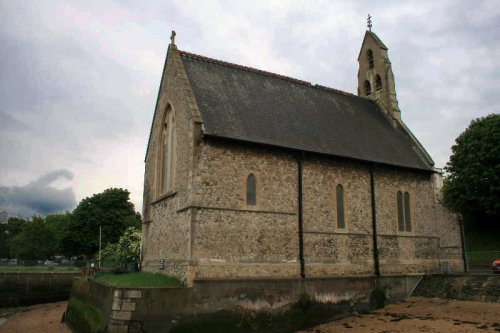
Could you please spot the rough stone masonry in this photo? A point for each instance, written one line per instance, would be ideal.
(203, 226)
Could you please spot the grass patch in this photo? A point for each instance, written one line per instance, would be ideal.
(83, 317)
(139, 279)
(38, 269)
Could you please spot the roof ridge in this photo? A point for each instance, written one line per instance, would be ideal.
(259, 71)
(245, 68)
(319, 86)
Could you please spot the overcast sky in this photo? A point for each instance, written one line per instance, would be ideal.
(79, 79)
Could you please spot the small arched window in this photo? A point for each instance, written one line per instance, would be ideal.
(369, 55)
(378, 82)
(251, 190)
(404, 211)
(368, 88)
(401, 222)
(407, 211)
(167, 152)
(339, 191)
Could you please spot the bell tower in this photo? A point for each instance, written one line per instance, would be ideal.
(375, 77)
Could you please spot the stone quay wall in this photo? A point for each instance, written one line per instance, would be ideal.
(470, 287)
(283, 305)
(18, 289)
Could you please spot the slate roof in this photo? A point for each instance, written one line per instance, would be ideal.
(246, 104)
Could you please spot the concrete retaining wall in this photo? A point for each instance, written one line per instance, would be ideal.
(240, 305)
(31, 288)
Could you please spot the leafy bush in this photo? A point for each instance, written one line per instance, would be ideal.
(127, 249)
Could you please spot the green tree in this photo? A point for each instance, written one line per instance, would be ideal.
(472, 186)
(112, 210)
(4, 241)
(35, 241)
(59, 224)
(127, 249)
(7, 233)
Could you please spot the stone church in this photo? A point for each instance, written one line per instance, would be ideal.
(254, 175)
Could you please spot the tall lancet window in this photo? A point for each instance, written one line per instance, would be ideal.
(167, 152)
(340, 206)
(369, 55)
(251, 190)
(403, 211)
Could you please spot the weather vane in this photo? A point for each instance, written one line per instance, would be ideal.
(172, 37)
(369, 20)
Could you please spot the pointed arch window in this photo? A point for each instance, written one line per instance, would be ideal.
(404, 211)
(378, 82)
(251, 190)
(167, 152)
(407, 212)
(369, 55)
(368, 88)
(339, 193)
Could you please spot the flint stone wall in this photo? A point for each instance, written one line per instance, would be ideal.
(204, 229)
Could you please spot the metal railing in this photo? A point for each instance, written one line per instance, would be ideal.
(480, 261)
(75, 266)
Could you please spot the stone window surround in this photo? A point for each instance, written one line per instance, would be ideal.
(412, 212)
(258, 191)
(346, 213)
(160, 172)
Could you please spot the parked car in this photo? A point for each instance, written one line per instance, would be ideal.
(495, 266)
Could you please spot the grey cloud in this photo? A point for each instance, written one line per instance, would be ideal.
(38, 197)
(12, 125)
(79, 80)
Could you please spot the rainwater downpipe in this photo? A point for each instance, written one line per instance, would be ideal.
(464, 250)
(300, 213)
(374, 223)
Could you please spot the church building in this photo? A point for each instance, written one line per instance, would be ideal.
(255, 175)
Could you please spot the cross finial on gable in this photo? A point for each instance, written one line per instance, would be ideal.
(369, 22)
(172, 37)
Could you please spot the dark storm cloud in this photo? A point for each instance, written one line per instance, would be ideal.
(38, 197)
